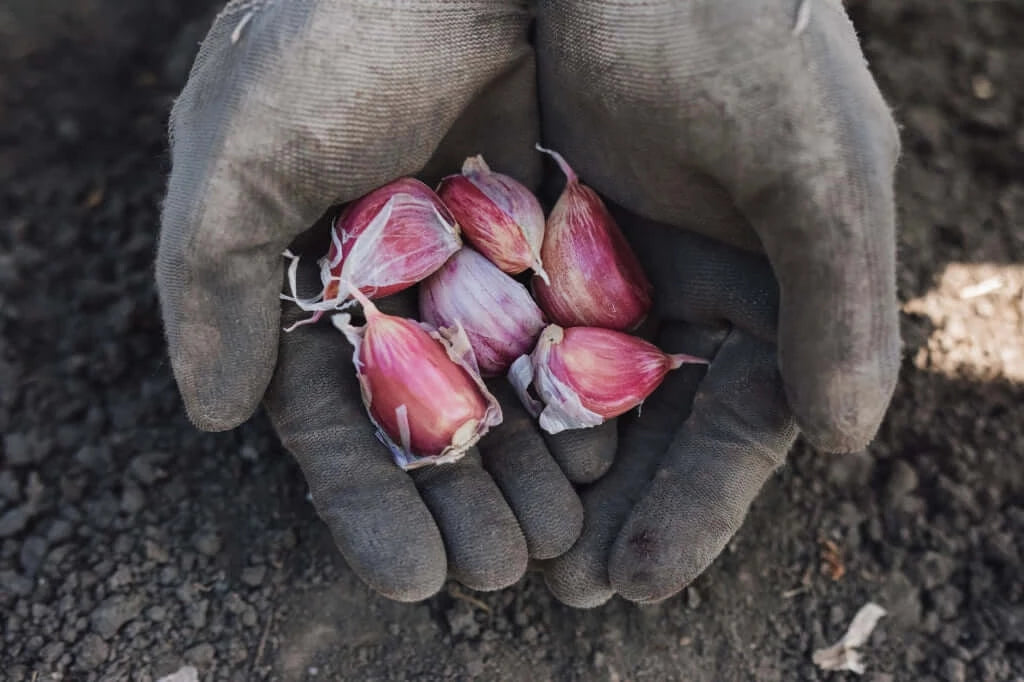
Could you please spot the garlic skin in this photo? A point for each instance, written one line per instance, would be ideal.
(586, 375)
(499, 316)
(498, 215)
(421, 387)
(382, 243)
(595, 279)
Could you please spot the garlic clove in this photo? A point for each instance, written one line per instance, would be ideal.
(382, 243)
(578, 377)
(421, 387)
(500, 318)
(594, 277)
(498, 215)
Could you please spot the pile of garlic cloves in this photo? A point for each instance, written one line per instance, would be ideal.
(564, 343)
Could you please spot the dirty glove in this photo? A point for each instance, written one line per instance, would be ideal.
(757, 124)
(293, 107)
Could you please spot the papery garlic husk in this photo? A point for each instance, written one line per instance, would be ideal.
(421, 387)
(498, 215)
(500, 318)
(594, 278)
(578, 377)
(382, 243)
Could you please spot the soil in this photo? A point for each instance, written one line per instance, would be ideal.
(132, 545)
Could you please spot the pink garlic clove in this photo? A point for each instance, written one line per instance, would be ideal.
(582, 376)
(382, 243)
(498, 314)
(421, 387)
(498, 215)
(595, 279)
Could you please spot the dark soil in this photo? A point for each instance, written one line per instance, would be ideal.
(130, 544)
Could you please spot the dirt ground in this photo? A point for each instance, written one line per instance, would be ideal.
(131, 545)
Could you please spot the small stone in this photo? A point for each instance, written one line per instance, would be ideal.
(902, 480)
(934, 569)
(954, 670)
(234, 603)
(156, 613)
(462, 621)
(10, 490)
(208, 543)
(253, 575)
(132, 499)
(15, 583)
(902, 599)
(121, 577)
(35, 491)
(156, 552)
(1001, 548)
(60, 530)
(102, 511)
(475, 668)
(931, 623)
(146, 467)
(18, 449)
(197, 614)
(72, 487)
(95, 457)
(851, 471)
(982, 87)
(14, 521)
(947, 600)
(51, 652)
(1011, 619)
(69, 129)
(124, 544)
(168, 575)
(201, 654)
(32, 552)
(91, 652)
(113, 613)
(693, 599)
(35, 643)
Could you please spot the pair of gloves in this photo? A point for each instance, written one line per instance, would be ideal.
(748, 156)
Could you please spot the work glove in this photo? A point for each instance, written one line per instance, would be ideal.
(751, 157)
(292, 108)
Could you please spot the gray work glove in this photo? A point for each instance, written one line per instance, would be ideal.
(298, 105)
(757, 124)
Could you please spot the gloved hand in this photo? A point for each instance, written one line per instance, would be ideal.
(757, 124)
(293, 107)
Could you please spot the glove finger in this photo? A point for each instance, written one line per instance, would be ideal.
(584, 454)
(485, 546)
(737, 434)
(579, 577)
(761, 126)
(549, 512)
(292, 107)
(372, 508)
